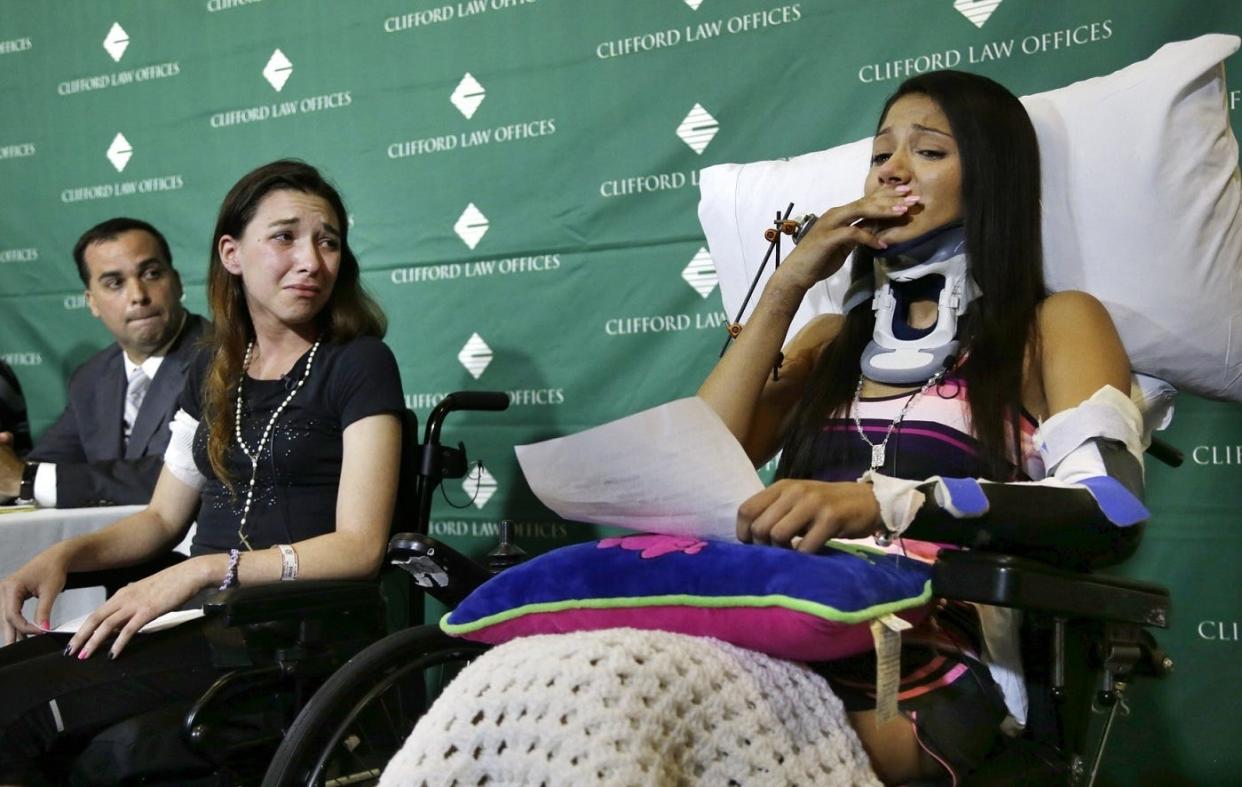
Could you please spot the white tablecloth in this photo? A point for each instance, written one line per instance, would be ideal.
(25, 534)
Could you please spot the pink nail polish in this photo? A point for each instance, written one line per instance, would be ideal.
(912, 199)
(82, 656)
(902, 189)
(899, 209)
(45, 625)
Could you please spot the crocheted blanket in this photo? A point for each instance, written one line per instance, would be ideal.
(630, 707)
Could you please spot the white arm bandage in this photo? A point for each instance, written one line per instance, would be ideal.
(1084, 441)
(179, 456)
(899, 499)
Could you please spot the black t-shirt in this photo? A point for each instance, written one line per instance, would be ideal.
(300, 465)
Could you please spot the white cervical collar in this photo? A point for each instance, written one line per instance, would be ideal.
(898, 354)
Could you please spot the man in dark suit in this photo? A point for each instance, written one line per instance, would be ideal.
(107, 447)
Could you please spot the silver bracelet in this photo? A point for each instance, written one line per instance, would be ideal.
(288, 562)
(230, 574)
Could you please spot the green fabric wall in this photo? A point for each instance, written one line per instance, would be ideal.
(564, 139)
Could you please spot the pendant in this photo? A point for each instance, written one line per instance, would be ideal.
(877, 456)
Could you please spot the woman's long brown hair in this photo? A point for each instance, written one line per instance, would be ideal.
(349, 313)
(1004, 250)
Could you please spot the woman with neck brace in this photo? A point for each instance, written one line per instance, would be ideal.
(955, 401)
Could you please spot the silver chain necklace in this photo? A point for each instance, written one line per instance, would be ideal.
(877, 451)
(267, 432)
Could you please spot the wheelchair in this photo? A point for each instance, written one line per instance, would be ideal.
(283, 640)
(1081, 629)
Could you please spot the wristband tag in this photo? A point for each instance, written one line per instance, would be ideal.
(886, 634)
(288, 563)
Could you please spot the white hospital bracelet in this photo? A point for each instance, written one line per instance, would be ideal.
(288, 562)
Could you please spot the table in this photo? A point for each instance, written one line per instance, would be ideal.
(25, 534)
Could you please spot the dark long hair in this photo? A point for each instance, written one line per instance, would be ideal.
(349, 313)
(1000, 202)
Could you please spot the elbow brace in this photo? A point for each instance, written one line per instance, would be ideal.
(1088, 511)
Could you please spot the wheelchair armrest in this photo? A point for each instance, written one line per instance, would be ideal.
(437, 569)
(113, 579)
(1007, 581)
(286, 601)
(1024, 531)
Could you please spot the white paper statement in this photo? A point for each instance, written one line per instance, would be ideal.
(165, 621)
(674, 469)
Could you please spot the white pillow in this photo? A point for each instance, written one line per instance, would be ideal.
(1141, 199)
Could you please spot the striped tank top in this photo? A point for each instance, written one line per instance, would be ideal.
(935, 438)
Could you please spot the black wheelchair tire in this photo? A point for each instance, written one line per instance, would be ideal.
(322, 724)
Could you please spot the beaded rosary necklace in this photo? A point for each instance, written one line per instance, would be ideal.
(267, 432)
(877, 451)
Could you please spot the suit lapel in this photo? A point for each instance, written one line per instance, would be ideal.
(156, 405)
(109, 405)
(161, 399)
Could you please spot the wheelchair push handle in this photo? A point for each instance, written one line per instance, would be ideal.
(437, 462)
(475, 400)
(1166, 452)
(462, 400)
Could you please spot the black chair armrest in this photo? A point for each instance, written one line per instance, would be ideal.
(281, 601)
(437, 569)
(1007, 581)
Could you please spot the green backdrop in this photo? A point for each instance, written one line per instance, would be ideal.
(522, 180)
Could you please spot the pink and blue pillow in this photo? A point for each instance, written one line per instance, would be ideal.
(773, 600)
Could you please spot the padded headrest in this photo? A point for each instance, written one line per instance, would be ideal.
(1141, 199)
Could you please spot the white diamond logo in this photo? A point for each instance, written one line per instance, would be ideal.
(278, 70)
(698, 129)
(468, 95)
(977, 11)
(694, 4)
(480, 486)
(475, 355)
(701, 273)
(116, 42)
(471, 226)
(119, 152)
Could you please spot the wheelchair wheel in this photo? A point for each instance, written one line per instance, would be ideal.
(357, 720)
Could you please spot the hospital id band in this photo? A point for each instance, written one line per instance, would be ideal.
(288, 563)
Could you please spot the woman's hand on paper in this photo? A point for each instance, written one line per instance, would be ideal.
(815, 511)
(134, 606)
(840, 230)
(43, 578)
